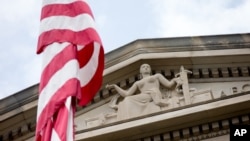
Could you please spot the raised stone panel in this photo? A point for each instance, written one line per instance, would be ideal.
(157, 138)
(245, 119)
(176, 135)
(186, 133)
(202, 95)
(215, 73)
(235, 121)
(123, 83)
(205, 73)
(196, 73)
(93, 122)
(224, 72)
(215, 126)
(196, 130)
(225, 124)
(98, 116)
(205, 128)
(235, 71)
(24, 129)
(245, 71)
(166, 137)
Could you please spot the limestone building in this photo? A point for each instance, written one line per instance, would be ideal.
(197, 87)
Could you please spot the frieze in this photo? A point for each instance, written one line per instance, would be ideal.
(223, 73)
(139, 100)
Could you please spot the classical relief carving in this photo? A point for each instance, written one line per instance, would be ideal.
(154, 93)
(234, 90)
(222, 94)
(201, 95)
(101, 119)
(149, 99)
(184, 83)
(246, 88)
(191, 95)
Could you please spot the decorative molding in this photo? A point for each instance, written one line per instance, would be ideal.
(200, 132)
(179, 44)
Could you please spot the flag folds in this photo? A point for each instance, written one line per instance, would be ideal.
(73, 63)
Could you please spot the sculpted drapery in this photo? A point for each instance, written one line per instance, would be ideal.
(149, 99)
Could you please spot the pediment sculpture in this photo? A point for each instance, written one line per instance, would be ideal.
(149, 99)
(150, 94)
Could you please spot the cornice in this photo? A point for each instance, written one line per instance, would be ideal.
(177, 44)
(145, 48)
(19, 99)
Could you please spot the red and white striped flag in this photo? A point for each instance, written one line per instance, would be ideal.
(73, 63)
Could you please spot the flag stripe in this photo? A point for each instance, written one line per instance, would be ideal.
(49, 2)
(66, 9)
(54, 136)
(69, 23)
(57, 63)
(90, 68)
(73, 64)
(88, 91)
(68, 71)
(61, 123)
(83, 37)
(47, 133)
(56, 101)
(84, 54)
(53, 50)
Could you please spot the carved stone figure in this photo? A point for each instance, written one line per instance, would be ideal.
(185, 88)
(154, 93)
(149, 99)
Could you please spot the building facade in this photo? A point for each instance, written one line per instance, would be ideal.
(197, 88)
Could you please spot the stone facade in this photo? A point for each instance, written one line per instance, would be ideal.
(213, 93)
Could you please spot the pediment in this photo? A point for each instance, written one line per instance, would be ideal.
(215, 95)
(219, 81)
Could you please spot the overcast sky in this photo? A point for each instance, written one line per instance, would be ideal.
(119, 22)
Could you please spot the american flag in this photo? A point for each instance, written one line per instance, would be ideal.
(73, 63)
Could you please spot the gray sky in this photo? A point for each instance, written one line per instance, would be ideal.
(118, 22)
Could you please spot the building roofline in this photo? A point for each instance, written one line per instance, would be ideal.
(143, 46)
(176, 44)
(18, 99)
